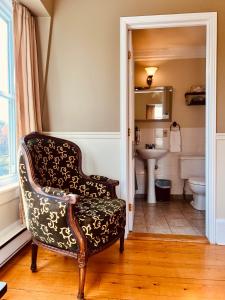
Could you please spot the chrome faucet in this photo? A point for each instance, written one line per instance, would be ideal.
(149, 146)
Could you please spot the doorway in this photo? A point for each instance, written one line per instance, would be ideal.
(127, 132)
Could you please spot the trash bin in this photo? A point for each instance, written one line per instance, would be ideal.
(162, 189)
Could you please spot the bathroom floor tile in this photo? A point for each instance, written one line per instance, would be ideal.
(156, 221)
(158, 229)
(197, 222)
(155, 212)
(139, 213)
(169, 217)
(173, 215)
(178, 222)
(140, 228)
(196, 216)
(200, 230)
(183, 230)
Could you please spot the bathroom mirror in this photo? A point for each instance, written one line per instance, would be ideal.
(154, 104)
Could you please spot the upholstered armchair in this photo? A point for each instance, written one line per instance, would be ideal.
(65, 210)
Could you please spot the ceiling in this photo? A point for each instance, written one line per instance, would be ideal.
(169, 43)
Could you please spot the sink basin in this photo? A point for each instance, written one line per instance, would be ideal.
(152, 153)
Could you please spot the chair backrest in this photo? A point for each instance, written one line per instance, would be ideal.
(44, 208)
(53, 160)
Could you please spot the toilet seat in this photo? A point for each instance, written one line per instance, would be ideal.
(197, 181)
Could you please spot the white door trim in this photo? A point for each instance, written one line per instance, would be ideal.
(208, 19)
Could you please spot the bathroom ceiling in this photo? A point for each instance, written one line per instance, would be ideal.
(169, 43)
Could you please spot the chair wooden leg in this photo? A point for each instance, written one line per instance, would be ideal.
(82, 263)
(34, 249)
(122, 243)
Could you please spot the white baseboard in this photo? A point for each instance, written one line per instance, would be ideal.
(10, 249)
(10, 231)
(220, 231)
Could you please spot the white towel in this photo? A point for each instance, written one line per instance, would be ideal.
(175, 140)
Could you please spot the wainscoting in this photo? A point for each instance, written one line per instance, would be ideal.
(220, 189)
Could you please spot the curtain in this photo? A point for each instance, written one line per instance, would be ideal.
(26, 76)
(26, 71)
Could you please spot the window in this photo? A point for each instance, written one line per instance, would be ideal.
(7, 98)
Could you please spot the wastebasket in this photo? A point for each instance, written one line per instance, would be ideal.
(162, 189)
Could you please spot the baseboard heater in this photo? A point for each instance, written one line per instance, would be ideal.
(13, 245)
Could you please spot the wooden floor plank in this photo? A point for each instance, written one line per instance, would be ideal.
(148, 269)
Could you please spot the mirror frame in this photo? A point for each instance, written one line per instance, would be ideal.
(152, 90)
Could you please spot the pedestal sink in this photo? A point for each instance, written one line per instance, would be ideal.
(151, 155)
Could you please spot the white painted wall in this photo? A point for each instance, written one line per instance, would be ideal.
(220, 189)
(9, 206)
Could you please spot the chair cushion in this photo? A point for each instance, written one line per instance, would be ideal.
(102, 220)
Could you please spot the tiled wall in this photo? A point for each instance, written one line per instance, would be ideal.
(193, 142)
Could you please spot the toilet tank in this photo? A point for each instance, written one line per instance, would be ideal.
(192, 166)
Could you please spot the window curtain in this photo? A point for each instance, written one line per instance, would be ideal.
(26, 76)
(26, 71)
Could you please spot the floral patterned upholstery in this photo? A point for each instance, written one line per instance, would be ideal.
(57, 163)
(46, 216)
(56, 174)
(101, 220)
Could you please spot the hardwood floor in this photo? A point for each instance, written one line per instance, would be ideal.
(148, 269)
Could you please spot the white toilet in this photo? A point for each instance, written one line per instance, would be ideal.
(192, 168)
(197, 186)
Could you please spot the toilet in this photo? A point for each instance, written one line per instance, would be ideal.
(192, 169)
(197, 186)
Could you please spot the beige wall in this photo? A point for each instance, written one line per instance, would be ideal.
(43, 37)
(83, 82)
(48, 4)
(181, 75)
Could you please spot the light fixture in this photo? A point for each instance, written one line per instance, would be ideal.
(150, 71)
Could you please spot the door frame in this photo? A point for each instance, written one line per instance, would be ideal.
(208, 19)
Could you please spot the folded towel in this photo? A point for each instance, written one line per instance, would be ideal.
(175, 140)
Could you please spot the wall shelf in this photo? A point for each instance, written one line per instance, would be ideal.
(195, 98)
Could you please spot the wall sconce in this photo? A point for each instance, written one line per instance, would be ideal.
(150, 71)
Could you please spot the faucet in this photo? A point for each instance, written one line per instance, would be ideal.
(149, 146)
